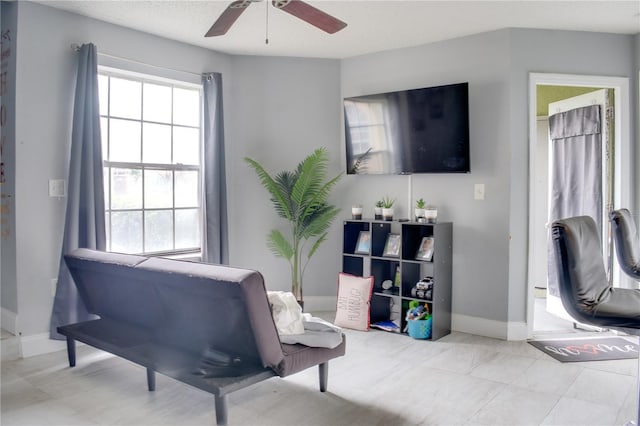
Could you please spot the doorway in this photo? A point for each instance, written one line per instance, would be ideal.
(539, 321)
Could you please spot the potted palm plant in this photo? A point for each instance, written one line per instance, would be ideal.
(300, 197)
(378, 210)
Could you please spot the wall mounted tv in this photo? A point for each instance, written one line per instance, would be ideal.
(411, 131)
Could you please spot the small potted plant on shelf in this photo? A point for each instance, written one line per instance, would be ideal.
(387, 208)
(419, 210)
(378, 210)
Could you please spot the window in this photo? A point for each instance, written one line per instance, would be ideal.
(151, 139)
(368, 126)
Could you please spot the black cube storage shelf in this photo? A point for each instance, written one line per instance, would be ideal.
(409, 270)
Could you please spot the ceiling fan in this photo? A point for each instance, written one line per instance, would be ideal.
(297, 8)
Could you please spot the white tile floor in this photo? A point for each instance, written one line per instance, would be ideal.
(384, 379)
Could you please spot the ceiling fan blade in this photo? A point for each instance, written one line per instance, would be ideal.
(310, 14)
(228, 17)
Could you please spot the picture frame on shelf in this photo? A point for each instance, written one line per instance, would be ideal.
(425, 251)
(363, 246)
(392, 246)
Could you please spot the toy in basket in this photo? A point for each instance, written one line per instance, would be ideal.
(419, 320)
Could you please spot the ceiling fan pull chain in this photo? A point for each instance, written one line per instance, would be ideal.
(266, 31)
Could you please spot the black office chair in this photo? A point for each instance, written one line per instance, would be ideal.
(584, 289)
(625, 235)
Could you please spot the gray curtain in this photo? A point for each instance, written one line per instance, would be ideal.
(215, 247)
(576, 172)
(85, 221)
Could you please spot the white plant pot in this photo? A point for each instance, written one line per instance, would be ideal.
(419, 213)
(378, 213)
(387, 214)
(431, 214)
(356, 213)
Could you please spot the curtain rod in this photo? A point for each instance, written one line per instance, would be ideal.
(76, 47)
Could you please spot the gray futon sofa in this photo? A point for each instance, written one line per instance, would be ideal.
(209, 326)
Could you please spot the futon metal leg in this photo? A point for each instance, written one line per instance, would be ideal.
(221, 410)
(323, 371)
(151, 380)
(71, 351)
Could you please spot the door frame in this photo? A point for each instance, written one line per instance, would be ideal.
(622, 192)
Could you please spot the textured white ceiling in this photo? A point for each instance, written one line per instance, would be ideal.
(373, 26)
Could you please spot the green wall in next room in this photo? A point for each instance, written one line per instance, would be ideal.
(547, 94)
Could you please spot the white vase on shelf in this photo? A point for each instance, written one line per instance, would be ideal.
(377, 211)
(356, 212)
(431, 214)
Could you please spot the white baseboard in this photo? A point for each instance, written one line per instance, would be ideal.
(489, 328)
(462, 323)
(9, 321)
(38, 344)
(320, 303)
(517, 331)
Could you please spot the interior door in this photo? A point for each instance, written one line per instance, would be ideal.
(580, 173)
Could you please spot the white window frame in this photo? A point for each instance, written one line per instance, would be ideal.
(173, 167)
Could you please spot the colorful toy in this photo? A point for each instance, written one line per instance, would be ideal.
(423, 289)
(419, 313)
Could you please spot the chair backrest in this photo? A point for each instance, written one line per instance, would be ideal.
(582, 277)
(625, 235)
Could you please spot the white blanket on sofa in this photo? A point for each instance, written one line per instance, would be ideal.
(295, 327)
(317, 333)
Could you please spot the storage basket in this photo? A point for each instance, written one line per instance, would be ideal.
(420, 329)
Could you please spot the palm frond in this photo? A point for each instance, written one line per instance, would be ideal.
(311, 174)
(310, 193)
(279, 196)
(279, 245)
(285, 182)
(319, 222)
(315, 245)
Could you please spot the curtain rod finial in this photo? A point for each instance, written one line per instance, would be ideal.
(75, 47)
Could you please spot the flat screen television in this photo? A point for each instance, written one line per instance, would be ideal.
(410, 131)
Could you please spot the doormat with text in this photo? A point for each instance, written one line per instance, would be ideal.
(588, 349)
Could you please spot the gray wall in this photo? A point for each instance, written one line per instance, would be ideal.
(9, 289)
(490, 236)
(277, 110)
(281, 110)
(550, 52)
(45, 87)
(481, 228)
(635, 88)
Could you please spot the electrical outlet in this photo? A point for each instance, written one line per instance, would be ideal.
(478, 191)
(54, 285)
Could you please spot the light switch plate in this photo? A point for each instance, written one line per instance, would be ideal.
(57, 188)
